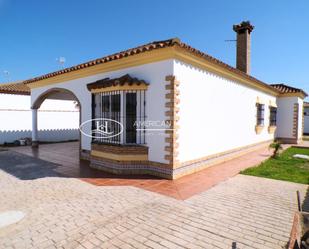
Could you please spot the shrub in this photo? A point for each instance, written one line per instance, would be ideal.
(277, 147)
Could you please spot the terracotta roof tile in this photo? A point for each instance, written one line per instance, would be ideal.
(149, 47)
(15, 88)
(116, 56)
(123, 80)
(282, 88)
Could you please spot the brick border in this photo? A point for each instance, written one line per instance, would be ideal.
(132, 167)
(192, 166)
(172, 105)
(295, 120)
(120, 149)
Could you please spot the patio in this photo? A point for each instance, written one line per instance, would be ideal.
(61, 211)
(243, 212)
(65, 159)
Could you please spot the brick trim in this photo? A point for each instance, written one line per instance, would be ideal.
(287, 140)
(132, 167)
(120, 149)
(172, 105)
(295, 120)
(192, 166)
(303, 121)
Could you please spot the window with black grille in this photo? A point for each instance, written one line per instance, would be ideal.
(124, 107)
(273, 116)
(260, 114)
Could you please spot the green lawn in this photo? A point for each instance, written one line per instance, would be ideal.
(285, 167)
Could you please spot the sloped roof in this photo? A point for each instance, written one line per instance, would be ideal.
(282, 88)
(15, 88)
(121, 81)
(174, 42)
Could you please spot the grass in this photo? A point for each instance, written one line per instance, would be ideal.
(284, 167)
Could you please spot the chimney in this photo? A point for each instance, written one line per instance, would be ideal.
(243, 31)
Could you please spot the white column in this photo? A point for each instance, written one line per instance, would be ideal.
(35, 142)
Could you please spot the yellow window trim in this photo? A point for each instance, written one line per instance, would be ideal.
(272, 104)
(120, 88)
(118, 157)
(260, 101)
(272, 129)
(259, 129)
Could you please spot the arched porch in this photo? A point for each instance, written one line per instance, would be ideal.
(64, 116)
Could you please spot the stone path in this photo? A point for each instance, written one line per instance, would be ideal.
(242, 212)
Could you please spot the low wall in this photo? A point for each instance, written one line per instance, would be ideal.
(299, 236)
(48, 135)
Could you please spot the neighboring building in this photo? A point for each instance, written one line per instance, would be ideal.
(306, 118)
(59, 120)
(181, 109)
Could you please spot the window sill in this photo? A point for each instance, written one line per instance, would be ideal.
(272, 129)
(259, 129)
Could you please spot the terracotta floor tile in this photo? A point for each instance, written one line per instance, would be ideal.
(65, 155)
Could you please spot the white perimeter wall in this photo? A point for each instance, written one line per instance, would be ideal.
(153, 73)
(306, 128)
(57, 119)
(216, 114)
(285, 116)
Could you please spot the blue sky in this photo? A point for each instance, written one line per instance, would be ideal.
(35, 33)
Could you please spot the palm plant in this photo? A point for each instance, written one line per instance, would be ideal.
(277, 147)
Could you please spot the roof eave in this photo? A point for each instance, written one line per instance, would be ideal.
(301, 95)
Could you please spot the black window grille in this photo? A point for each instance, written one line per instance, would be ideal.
(126, 108)
(273, 116)
(260, 114)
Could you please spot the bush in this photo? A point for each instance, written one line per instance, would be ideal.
(277, 147)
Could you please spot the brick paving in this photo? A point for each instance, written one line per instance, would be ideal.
(62, 212)
(65, 155)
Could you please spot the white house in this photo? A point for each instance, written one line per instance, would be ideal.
(170, 109)
(59, 119)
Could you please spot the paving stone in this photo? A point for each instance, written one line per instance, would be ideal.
(69, 213)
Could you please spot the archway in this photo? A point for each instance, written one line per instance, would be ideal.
(56, 97)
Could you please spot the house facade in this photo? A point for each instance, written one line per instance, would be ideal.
(58, 119)
(172, 109)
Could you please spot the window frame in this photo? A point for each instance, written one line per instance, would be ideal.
(260, 114)
(121, 115)
(273, 116)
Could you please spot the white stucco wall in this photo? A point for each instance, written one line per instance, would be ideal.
(300, 117)
(285, 116)
(306, 117)
(153, 73)
(216, 114)
(58, 120)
